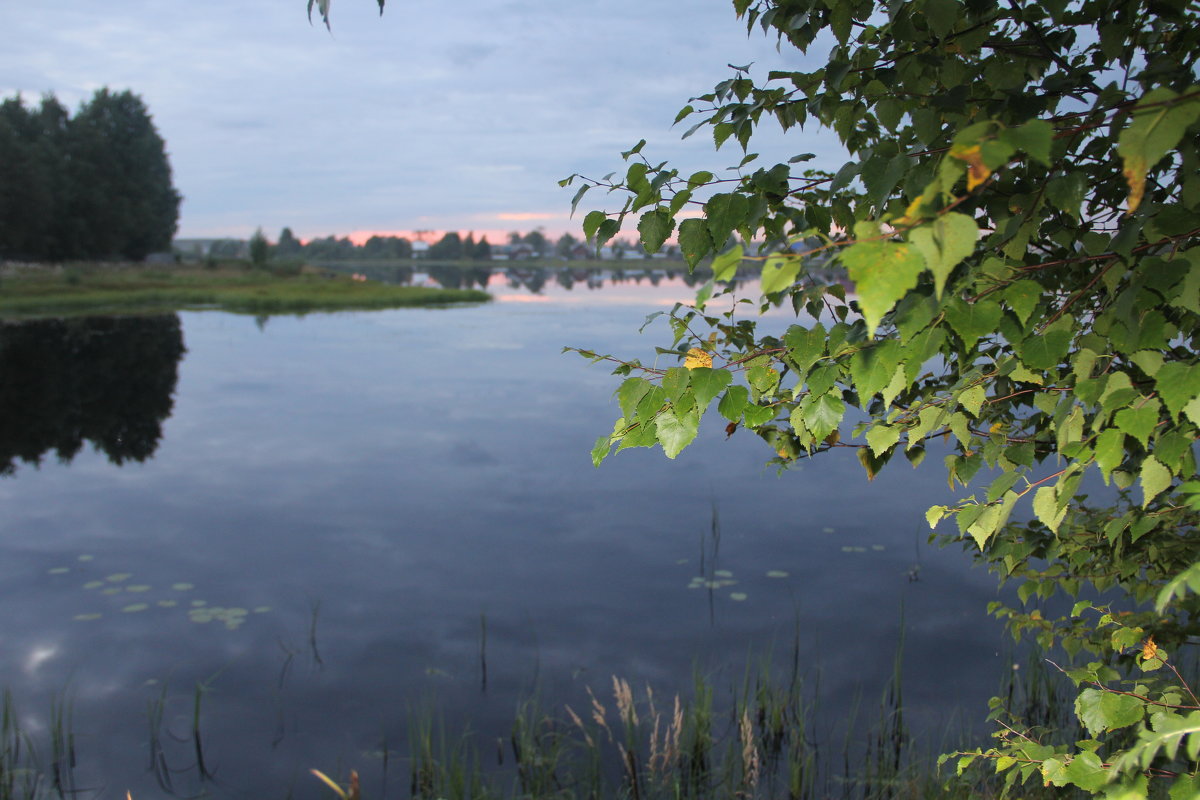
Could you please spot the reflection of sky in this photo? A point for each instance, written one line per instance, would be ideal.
(386, 479)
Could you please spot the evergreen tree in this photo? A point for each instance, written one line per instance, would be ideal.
(289, 246)
(482, 250)
(260, 249)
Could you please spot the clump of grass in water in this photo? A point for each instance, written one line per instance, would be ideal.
(23, 775)
(637, 746)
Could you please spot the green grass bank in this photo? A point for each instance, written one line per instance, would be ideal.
(27, 292)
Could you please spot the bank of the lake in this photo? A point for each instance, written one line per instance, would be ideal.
(115, 289)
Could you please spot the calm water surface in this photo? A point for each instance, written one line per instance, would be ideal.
(315, 517)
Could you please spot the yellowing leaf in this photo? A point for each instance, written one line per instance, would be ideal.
(1149, 649)
(697, 358)
(977, 171)
(1156, 126)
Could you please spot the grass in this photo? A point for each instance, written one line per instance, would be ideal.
(754, 740)
(110, 289)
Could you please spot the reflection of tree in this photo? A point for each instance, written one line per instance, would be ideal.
(107, 380)
(447, 277)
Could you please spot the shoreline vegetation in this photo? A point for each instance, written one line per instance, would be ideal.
(756, 737)
(31, 291)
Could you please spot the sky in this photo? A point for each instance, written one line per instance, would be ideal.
(434, 116)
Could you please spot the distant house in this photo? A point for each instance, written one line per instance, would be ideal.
(420, 249)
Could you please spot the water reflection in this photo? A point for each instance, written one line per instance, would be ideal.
(105, 380)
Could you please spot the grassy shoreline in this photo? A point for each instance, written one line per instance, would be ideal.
(30, 292)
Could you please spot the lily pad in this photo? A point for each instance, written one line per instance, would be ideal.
(118, 577)
(112, 590)
(58, 570)
(93, 584)
(167, 603)
(86, 558)
(135, 607)
(737, 596)
(827, 530)
(87, 617)
(878, 547)
(261, 609)
(723, 573)
(198, 603)
(182, 587)
(776, 573)
(140, 587)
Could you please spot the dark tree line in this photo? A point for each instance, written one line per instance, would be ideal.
(96, 185)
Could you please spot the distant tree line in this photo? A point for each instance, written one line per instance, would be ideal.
(452, 246)
(96, 185)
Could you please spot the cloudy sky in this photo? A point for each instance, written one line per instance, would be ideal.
(437, 115)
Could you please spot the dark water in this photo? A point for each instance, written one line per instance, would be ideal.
(357, 495)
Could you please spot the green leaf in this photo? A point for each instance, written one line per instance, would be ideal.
(724, 213)
(1034, 138)
(1109, 450)
(675, 383)
(655, 226)
(1023, 297)
(733, 403)
(1045, 506)
(1047, 348)
(882, 438)
(1087, 772)
(972, 399)
(591, 223)
(1148, 361)
(1177, 384)
(694, 241)
(823, 414)
(882, 273)
(1139, 421)
(974, 320)
(1066, 192)
(630, 394)
(872, 367)
(756, 415)
(806, 345)
(1101, 711)
(945, 243)
(707, 383)
(1155, 478)
(725, 266)
(779, 273)
(600, 450)
(607, 230)
(676, 430)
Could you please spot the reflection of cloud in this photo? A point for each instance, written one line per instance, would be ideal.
(38, 655)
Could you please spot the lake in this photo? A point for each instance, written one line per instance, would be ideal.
(338, 523)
